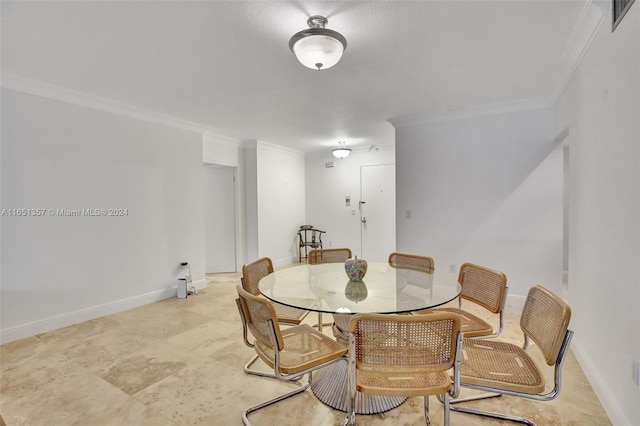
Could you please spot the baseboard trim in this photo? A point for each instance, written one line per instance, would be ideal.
(277, 263)
(605, 395)
(42, 326)
(517, 301)
(200, 284)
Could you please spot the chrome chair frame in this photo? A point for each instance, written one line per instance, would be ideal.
(493, 391)
(553, 394)
(245, 333)
(294, 378)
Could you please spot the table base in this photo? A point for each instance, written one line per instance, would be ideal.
(330, 385)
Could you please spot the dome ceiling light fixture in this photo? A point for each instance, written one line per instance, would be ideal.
(318, 48)
(342, 151)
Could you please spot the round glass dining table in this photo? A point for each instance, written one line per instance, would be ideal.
(384, 289)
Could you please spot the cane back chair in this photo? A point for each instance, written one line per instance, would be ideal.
(291, 353)
(404, 355)
(506, 369)
(252, 273)
(333, 255)
(411, 261)
(486, 288)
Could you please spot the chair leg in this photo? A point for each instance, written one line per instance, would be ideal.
(261, 373)
(493, 415)
(476, 397)
(320, 323)
(249, 370)
(351, 378)
(350, 419)
(471, 397)
(249, 410)
(447, 409)
(426, 410)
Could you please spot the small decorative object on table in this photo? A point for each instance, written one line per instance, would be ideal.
(355, 268)
(356, 291)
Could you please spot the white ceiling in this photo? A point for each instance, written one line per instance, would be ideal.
(227, 65)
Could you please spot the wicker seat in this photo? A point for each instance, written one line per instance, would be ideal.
(506, 369)
(333, 255)
(484, 287)
(291, 353)
(411, 261)
(404, 355)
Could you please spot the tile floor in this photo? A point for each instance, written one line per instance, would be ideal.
(179, 362)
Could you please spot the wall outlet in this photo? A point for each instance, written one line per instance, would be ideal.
(635, 372)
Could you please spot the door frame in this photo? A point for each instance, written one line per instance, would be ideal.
(236, 212)
(361, 200)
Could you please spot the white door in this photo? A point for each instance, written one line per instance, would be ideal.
(219, 219)
(377, 211)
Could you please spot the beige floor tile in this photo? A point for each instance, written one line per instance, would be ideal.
(195, 392)
(162, 319)
(179, 362)
(141, 369)
(65, 393)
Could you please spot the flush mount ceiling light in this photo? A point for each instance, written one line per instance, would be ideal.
(318, 47)
(341, 152)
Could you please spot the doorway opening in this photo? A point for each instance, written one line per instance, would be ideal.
(220, 223)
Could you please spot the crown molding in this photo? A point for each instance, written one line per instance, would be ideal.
(593, 14)
(209, 136)
(63, 94)
(477, 111)
(272, 147)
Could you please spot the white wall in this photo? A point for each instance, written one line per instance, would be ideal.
(220, 150)
(250, 191)
(280, 177)
(326, 189)
(601, 108)
(61, 270)
(474, 195)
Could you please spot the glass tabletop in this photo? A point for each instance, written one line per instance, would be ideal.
(384, 289)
